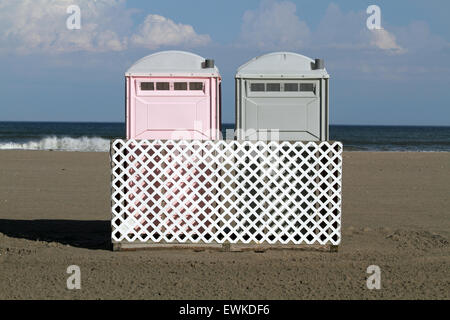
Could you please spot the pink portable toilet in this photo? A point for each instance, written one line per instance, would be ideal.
(170, 95)
(173, 95)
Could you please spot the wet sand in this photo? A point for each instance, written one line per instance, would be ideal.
(54, 212)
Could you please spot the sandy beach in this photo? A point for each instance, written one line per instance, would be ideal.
(55, 210)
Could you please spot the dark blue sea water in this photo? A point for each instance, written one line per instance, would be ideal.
(95, 136)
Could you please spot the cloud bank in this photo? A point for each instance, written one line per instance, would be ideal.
(276, 25)
(157, 31)
(273, 25)
(30, 26)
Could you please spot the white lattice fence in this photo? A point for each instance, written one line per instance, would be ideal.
(226, 192)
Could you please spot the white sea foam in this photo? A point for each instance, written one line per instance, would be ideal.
(83, 144)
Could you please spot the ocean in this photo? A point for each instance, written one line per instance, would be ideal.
(72, 136)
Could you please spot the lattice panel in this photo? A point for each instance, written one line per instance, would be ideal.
(226, 192)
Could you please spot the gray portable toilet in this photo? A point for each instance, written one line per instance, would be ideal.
(282, 91)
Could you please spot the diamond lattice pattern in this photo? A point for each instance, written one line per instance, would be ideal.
(226, 192)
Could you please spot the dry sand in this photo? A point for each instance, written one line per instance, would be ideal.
(54, 212)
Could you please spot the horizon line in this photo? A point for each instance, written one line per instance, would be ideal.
(228, 123)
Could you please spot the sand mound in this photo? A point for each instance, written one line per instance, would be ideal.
(420, 240)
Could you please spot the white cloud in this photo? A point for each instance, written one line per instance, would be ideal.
(39, 26)
(274, 25)
(157, 31)
(349, 31)
(384, 40)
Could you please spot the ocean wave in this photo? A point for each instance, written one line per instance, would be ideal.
(82, 144)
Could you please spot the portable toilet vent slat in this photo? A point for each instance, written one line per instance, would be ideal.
(173, 95)
(283, 93)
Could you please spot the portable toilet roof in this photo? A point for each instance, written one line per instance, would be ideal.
(281, 65)
(173, 63)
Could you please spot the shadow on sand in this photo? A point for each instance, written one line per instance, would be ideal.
(77, 233)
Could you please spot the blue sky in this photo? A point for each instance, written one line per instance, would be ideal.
(399, 75)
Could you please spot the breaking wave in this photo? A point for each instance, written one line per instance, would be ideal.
(81, 144)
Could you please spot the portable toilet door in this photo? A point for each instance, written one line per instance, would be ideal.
(173, 95)
(282, 93)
